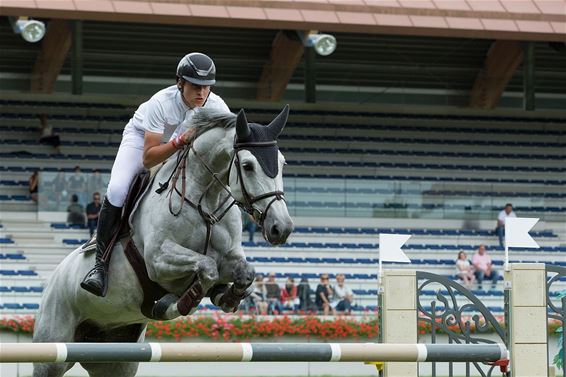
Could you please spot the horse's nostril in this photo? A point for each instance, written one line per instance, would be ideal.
(275, 231)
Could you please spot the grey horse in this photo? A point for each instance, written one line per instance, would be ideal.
(229, 159)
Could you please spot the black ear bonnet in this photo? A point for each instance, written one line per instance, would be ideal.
(261, 140)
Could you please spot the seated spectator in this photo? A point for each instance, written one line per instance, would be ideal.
(249, 225)
(76, 211)
(500, 228)
(289, 298)
(464, 269)
(48, 137)
(343, 296)
(273, 295)
(92, 210)
(483, 267)
(59, 186)
(259, 296)
(77, 184)
(323, 293)
(33, 185)
(304, 292)
(96, 182)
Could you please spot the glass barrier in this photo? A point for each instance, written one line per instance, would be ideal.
(322, 197)
(467, 201)
(57, 189)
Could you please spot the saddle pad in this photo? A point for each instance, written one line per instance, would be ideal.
(148, 185)
(90, 246)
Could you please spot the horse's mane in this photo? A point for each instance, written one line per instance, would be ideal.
(207, 119)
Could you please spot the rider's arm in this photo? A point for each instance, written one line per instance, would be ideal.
(154, 152)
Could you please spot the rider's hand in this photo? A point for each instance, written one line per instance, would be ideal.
(187, 136)
(184, 139)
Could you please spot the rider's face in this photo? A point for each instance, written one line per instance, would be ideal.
(194, 95)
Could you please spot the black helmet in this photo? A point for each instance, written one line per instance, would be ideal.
(197, 68)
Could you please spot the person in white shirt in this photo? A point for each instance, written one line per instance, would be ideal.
(500, 228)
(343, 296)
(464, 269)
(166, 113)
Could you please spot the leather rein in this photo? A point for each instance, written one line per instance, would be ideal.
(211, 218)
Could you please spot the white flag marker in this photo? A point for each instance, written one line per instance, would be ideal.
(390, 250)
(517, 235)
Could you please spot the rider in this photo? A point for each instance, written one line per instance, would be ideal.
(141, 147)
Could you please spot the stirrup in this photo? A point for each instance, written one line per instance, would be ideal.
(96, 281)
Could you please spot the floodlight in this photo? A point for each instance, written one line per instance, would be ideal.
(324, 44)
(31, 30)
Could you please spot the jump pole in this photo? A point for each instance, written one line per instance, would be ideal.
(248, 352)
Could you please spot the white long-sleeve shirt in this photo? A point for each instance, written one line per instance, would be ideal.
(166, 112)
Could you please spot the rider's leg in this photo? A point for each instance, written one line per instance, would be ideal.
(127, 165)
(96, 280)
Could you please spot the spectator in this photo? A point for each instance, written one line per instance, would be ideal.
(343, 296)
(323, 293)
(304, 293)
(500, 228)
(259, 296)
(273, 294)
(289, 298)
(48, 137)
(95, 182)
(92, 210)
(77, 184)
(33, 185)
(59, 185)
(464, 269)
(76, 211)
(248, 224)
(483, 267)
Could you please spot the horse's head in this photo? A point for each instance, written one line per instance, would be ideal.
(256, 176)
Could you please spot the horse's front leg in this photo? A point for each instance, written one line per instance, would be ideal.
(174, 262)
(242, 274)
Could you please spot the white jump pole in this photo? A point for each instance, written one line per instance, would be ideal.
(247, 352)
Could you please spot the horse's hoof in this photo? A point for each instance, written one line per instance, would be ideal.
(160, 308)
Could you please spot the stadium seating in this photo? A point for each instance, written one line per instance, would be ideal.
(361, 165)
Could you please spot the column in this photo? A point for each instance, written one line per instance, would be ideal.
(400, 317)
(528, 346)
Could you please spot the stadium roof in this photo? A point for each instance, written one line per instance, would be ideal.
(436, 54)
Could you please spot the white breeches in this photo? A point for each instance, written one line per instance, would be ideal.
(128, 163)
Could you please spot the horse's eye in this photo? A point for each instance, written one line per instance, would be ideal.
(248, 166)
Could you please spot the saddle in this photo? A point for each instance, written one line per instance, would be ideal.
(137, 188)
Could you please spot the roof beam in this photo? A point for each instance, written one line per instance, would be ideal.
(285, 55)
(54, 49)
(501, 62)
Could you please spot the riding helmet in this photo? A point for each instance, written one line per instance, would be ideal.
(197, 68)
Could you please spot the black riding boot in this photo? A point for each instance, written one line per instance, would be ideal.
(96, 280)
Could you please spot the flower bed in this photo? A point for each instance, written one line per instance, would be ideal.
(240, 328)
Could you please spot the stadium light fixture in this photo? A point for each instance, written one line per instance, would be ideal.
(31, 30)
(323, 44)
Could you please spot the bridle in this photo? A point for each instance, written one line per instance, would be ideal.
(213, 217)
(250, 200)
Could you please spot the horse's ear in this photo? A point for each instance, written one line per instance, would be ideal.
(277, 124)
(242, 128)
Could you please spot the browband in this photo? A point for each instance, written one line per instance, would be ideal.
(255, 144)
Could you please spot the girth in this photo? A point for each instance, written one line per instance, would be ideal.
(152, 291)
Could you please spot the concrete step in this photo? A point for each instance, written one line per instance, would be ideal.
(13, 190)
(18, 206)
